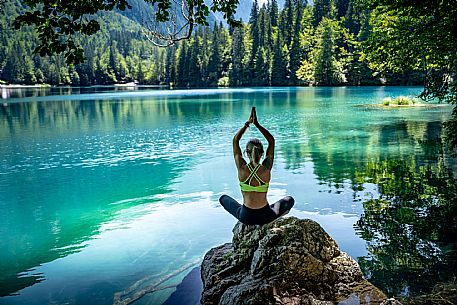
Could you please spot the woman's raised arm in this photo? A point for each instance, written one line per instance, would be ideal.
(237, 154)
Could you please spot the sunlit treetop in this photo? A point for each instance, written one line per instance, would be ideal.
(58, 22)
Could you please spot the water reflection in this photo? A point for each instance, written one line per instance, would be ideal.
(335, 156)
(411, 229)
(43, 91)
(71, 164)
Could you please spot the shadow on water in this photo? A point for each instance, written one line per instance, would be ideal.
(411, 229)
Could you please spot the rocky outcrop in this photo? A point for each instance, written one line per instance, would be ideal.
(289, 261)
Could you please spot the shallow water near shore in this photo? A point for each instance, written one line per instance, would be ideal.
(105, 194)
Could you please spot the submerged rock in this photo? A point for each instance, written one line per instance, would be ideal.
(289, 261)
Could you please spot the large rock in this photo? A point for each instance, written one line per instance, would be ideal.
(289, 261)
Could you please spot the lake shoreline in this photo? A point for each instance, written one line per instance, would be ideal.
(23, 86)
(40, 86)
(17, 86)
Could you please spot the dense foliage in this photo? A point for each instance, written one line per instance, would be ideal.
(58, 22)
(119, 52)
(409, 36)
(299, 44)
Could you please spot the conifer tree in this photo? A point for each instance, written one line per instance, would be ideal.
(194, 63)
(225, 50)
(140, 73)
(40, 76)
(261, 77)
(352, 18)
(278, 68)
(324, 58)
(274, 12)
(182, 66)
(253, 22)
(214, 59)
(261, 33)
(295, 56)
(170, 55)
(236, 71)
(266, 28)
(29, 71)
(74, 77)
(341, 7)
(323, 8)
(113, 65)
(287, 22)
(253, 37)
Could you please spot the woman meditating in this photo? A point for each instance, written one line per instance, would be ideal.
(254, 180)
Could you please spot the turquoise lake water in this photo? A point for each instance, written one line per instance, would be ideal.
(105, 192)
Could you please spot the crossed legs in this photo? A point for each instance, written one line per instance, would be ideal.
(260, 216)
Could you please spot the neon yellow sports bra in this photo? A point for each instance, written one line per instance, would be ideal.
(245, 185)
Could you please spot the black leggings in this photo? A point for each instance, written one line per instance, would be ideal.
(255, 216)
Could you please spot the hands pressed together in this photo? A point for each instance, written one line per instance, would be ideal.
(252, 118)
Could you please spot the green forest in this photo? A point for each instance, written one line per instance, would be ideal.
(299, 44)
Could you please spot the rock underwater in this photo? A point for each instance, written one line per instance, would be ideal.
(288, 261)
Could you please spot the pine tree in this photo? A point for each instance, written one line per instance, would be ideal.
(29, 71)
(324, 59)
(170, 55)
(323, 9)
(274, 12)
(295, 56)
(261, 69)
(225, 50)
(352, 19)
(194, 63)
(140, 76)
(278, 68)
(64, 75)
(13, 71)
(253, 20)
(214, 59)
(265, 29)
(54, 75)
(261, 26)
(112, 65)
(122, 69)
(341, 7)
(182, 67)
(287, 22)
(236, 71)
